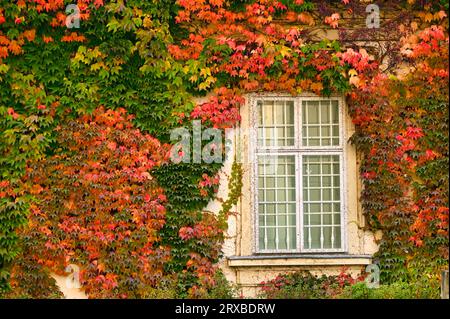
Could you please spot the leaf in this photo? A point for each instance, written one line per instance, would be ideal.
(352, 72)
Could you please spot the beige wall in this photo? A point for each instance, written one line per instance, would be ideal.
(247, 269)
(66, 286)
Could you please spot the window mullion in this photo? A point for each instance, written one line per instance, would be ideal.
(265, 208)
(343, 202)
(263, 124)
(276, 215)
(299, 201)
(298, 130)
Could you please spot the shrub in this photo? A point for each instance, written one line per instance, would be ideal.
(222, 289)
(397, 290)
(304, 285)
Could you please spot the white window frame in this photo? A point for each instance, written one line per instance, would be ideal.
(298, 152)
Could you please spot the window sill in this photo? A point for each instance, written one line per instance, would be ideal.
(299, 260)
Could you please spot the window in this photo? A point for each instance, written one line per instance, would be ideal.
(299, 181)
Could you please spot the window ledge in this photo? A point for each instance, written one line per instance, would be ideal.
(299, 260)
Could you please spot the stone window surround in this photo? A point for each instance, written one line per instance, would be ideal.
(358, 244)
(340, 150)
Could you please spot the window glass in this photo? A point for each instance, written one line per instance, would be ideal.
(281, 207)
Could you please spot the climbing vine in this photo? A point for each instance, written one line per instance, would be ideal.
(401, 130)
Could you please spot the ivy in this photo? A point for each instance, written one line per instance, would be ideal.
(401, 131)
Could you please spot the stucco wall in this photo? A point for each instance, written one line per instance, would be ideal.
(247, 269)
(67, 287)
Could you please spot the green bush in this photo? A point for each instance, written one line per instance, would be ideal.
(223, 289)
(423, 289)
(304, 285)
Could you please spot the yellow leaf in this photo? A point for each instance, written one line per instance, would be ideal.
(210, 80)
(285, 51)
(205, 72)
(316, 87)
(96, 66)
(354, 80)
(148, 22)
(441, 15)
(193, 78)
(101, 267)
(352, 73)
(429, 17)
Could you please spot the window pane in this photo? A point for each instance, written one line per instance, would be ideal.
(276, 123)
(337, 237)
(292, 237)
(314, 131)
(314, 219)
(282, 220)
(321, 206)
(312, 112)
(314, 181)
(335, 111)
(314, 208)
(320, 120)
(327, 237)
(314, 195)
(291, 209)
(261, 194)
(292, 219)
(282, 238)
(262, 221)
(291, 195)
(260, 119)
(277, 208)
(315, 238)
(267, 111)
(336, 219)
(271, 238)
(270, 182)
(327, 219)
(325, 113)
(279, 112)
(281, 195)
(326, 181)
(326, 194)
(262, 245)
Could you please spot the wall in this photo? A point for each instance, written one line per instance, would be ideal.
(66, 286)
(247, 269)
